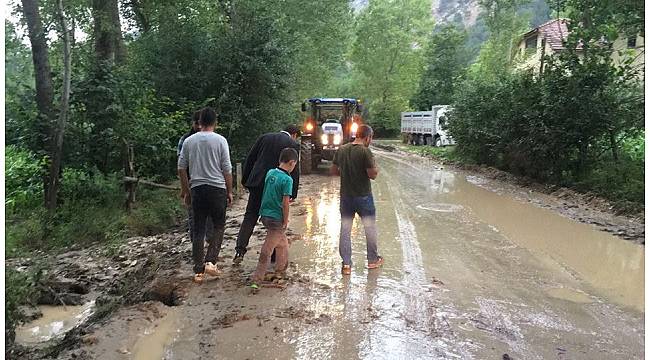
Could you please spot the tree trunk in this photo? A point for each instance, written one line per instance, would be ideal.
(56, 154)
(42, 76)
(140, 15)
(613, 145)
(109, 45)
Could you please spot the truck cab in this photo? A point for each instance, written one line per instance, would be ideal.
(426, 127)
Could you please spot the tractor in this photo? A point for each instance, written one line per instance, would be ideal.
(329, 123)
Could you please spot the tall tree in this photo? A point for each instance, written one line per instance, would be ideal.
(504, 24)
(446, 60)
(43, 77)
(387, 56)
(56, 152)
(109, 44)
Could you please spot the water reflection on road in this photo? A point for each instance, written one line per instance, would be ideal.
(469, 273)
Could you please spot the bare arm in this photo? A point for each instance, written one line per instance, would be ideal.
(372, 172)
(185, 186)
(285, 211)
(228, 177)
(335, 171)
(371, 166)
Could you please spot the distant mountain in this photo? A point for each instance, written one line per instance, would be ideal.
(464, 12)
(467, 12)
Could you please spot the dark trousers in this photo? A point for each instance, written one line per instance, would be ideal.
(251, 216)
(207, 202)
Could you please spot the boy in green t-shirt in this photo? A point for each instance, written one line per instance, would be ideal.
(274, 211)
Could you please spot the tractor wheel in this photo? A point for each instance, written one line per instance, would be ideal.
(305, 156)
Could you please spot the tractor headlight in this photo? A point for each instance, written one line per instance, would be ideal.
(353, 128)
(323, 139)
(337, 139)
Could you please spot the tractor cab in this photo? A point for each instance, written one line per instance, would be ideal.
(328, 124)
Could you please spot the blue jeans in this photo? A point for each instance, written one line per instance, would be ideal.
(365, 207)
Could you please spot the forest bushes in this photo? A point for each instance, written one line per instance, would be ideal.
(550, 129)
(579, 123)
(91, 208)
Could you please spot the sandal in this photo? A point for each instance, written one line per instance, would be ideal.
(198, 278)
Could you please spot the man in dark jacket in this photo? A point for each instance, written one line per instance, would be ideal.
(263, 157)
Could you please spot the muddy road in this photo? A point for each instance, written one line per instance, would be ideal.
(469, 274)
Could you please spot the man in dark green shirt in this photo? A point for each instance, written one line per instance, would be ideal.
(355, 164)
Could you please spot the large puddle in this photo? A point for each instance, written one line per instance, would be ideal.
(612, 266)
(56, 321)
(153, 344)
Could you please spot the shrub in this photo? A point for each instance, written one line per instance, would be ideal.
(19, 292)
(576, 125)
(24, 173)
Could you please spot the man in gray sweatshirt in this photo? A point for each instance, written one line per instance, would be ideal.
(208, 190)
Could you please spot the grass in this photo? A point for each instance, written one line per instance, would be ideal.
(86, 221)
(446, 153)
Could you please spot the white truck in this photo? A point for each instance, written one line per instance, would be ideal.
(424, 127)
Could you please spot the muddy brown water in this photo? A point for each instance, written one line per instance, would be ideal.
(469, 274)
(56, 320)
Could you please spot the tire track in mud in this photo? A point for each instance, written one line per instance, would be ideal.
(423, 312)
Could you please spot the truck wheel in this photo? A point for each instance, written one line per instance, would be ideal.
(305, 156)
(428, 140)
(438, 142)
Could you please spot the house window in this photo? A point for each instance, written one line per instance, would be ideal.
(631, 42)
(531, 43)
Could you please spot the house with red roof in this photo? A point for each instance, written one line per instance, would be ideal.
(550, 38)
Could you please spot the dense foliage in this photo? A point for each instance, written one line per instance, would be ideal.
(579, 123)
(447, 60)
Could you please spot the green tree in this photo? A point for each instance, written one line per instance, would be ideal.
(504, 24)
(446, 61)
(387, 57)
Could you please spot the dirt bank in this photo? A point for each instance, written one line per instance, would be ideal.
(141, 288)
(586, 208)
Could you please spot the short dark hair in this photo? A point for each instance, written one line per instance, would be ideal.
(364, 131)
(208, 117)
(196, 116)
(288, 154)
(292, 129)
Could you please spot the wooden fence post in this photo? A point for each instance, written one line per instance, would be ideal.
(238, 185)
(129, 171)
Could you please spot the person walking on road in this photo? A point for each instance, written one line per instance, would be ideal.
(263, 157)
(356, 166)
(208, 189)
(209, 231)
(278, 188)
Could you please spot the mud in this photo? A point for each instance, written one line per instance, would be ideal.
(470, 273)
(583, 207)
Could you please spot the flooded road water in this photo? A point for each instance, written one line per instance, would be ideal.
(468, 274)
(56, 320)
